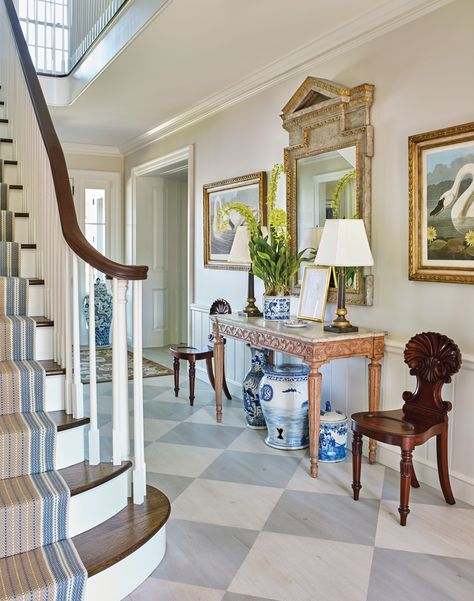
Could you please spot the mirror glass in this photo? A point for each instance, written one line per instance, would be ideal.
(325, 189)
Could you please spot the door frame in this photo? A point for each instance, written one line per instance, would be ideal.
(186, 153)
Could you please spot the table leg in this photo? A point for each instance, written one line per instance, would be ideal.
(314, 406)
(375, 375)
(218, 373)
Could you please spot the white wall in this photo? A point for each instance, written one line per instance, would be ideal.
(422, 78)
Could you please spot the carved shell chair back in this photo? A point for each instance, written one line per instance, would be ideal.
(433, 359)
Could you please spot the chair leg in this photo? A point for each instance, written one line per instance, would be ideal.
(356, 464)
(443, 473)
(414, 480)
(406, 470)
(224, 386)
(210, 372)
(192, 381)
(176, 376)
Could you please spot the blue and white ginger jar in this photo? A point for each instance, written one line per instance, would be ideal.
(103, 312)
(284, 399)
(276, 308)
(252, 408)
(332, 435)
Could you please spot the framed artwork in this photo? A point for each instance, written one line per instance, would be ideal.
(314, 292)
(248, 189)
(441, 165)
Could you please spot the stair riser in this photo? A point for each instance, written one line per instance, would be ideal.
(15, 201)
(5, 131)
(44, 343)
(91, 508)
(54, 393)
(70, 447)
(35, 300)
(7, 150)
(21, 233)
(115, 583)
(11, 175)
(28, 263)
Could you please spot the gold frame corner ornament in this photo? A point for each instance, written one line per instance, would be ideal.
(417, 144)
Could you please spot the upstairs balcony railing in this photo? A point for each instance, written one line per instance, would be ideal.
(60, 32)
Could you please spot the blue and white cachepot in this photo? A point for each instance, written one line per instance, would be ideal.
(250, 385)
(103, 312)
(284, 399)
(276, 308)
(332, 435)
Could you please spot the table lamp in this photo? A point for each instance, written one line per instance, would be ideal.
(239, 253)
(343, 244)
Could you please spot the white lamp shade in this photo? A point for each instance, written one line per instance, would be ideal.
(239, 253)
(344, 244)
(311, 237)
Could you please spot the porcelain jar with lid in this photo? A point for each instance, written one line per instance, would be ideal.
(332, 435)
(284, 400)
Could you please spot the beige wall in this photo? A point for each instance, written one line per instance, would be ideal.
(94, 162)
(422, 74)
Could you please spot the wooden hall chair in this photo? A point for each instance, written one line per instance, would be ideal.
(193, 354)
(433, 358)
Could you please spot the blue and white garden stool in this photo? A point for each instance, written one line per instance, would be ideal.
(250, 386)
(332, 436)
(284, 400)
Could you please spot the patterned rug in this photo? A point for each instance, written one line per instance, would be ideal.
(104, 366)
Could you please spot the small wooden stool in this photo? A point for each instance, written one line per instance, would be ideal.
(193, 354)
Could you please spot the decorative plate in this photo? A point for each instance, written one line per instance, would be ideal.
(295, 323)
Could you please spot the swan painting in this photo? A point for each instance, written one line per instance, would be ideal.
(461, 205)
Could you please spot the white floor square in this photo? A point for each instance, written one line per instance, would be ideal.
(181, 460)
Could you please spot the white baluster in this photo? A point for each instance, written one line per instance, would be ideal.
(116, 438)
(120, 366)
(68, 394)
(78, 399)
(139, 472)
(94, 435)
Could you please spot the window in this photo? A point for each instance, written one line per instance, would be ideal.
(95, 218)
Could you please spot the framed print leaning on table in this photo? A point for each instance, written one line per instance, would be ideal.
(314, 292)
(218, 238)
(441, 166)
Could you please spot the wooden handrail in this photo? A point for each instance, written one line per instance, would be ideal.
(67, 212)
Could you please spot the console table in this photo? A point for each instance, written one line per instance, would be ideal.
(315, 347)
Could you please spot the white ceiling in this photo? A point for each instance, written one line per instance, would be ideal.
(196, 49)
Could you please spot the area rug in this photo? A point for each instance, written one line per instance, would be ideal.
(104, 366)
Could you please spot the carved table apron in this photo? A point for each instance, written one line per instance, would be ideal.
(315, 347)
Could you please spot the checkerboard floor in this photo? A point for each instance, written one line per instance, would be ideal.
(249, 524)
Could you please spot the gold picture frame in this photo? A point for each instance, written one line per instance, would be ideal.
(249, 189)
(441, 244)
(314, 292)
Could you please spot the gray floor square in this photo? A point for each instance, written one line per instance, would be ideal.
(171, 485)
(332, 517)
(204, 554)
(252, 468)
(170, 411)
(237, 597)
(202, 435)
(399, 575)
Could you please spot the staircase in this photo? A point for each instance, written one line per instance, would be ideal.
(73, 528)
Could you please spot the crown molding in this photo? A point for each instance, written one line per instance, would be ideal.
(350, 35)
(90, 149)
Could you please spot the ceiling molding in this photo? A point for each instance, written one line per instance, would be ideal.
(90, 149)
(342, 39)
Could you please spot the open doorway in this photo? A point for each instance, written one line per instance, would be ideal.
(159, 234)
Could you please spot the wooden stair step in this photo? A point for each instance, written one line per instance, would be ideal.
(42, 322)
(118, 537)
(52, 368)
(6, 140)
(28, 246)
(65, 421)
(18, 214)
(83, 476)
(3, 120)
(35, 282)
(16, 186)
(10, 162)
(2, 103)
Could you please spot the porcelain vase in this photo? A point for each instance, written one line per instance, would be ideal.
(103, 312)
(332, 436)
(276, 308)
(284, 399)
(250, 386)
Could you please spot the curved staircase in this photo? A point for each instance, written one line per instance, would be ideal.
(71, 529)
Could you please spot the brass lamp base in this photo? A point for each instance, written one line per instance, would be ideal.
(341, 325)
(251, 310)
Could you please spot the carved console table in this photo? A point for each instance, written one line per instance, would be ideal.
(315, 347)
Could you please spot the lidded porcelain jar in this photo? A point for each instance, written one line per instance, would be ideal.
(284, 400)
(276, 308)
(332, 435)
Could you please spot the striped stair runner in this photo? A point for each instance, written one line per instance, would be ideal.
(37, 561)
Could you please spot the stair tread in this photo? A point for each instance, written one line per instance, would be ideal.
(83, 476)
(28, 246)
(52, 368)
(10, 162)
(7, 140)
(16, 186)
(64, 421)
(108, 543)
(35, 282)
(42, 321)
(3, 120)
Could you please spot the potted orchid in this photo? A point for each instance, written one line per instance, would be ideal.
(270, 252)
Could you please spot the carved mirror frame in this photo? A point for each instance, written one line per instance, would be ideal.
(323, 116)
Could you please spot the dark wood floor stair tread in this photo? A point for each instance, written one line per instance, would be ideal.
(64, 421)
(52, 368)
(42, 321)
(118, 537)
(35, 282)
(83, 476)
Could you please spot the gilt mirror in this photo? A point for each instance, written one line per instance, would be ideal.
(328, 168)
